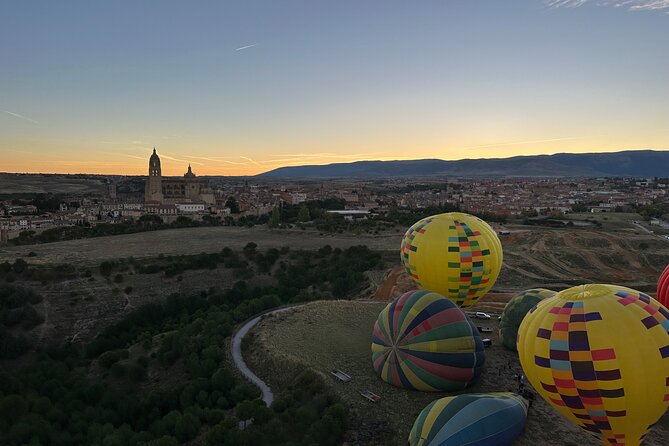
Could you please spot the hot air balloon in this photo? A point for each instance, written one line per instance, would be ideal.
(423, 341)
(476, 419)
(599, 354)
(663, 287)
(455, 254)
(515, 311)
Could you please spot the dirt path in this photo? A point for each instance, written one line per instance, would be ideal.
(267, 395)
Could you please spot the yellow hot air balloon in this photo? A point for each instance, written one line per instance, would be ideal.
(599, 354)
(455, 254)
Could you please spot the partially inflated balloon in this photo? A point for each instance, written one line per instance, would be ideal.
(455, 254)
(663, 287)
(423, 341)
(515, 311)
(600, 355)
(476, 419)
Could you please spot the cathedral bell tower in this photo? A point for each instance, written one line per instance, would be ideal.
(153, 191)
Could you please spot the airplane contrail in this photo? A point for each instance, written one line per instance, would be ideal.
(16, 115)
(249, 159)
(246, 47)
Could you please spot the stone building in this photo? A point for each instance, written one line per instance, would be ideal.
(161, 190)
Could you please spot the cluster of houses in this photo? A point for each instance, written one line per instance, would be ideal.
(507, 196)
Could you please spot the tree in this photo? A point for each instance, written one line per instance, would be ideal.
(579, 207)
(232, 204)
(150, 220)
(274, 219)
(186, 427)
(106, 268)
(303, 215)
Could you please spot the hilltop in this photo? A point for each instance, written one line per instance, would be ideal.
(633, 163)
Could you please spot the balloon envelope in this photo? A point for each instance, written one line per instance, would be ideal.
(515, 311)
(663, 287)
(493, 419)
(455, 254)
(599, 354)
(423, 341)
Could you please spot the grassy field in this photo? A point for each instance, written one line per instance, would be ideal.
(11, 183)
(323, 335)
(189, 241)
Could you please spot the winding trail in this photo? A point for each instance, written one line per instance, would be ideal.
(267, 395)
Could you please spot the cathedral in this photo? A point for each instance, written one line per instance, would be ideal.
(175, 190)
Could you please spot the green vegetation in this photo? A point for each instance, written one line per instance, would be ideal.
(21, 269)
(16, 310)
(316, 214)
(143, 224)
(99, 393)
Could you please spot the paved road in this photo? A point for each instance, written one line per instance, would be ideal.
(267, 395)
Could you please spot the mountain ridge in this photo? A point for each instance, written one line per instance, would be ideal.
(631, 163)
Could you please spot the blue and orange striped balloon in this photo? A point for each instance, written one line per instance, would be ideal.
(476, 419)
(423, 341)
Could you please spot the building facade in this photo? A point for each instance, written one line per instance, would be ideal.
(161, 190)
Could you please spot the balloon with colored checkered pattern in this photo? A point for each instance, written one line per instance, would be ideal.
(663, 288)
(476, 419)
(599, 354)
(515, 311)
(423, 341)
(455, 254)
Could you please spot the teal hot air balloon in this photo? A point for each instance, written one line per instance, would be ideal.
(475, 419)
(423, 341)
(515, 311)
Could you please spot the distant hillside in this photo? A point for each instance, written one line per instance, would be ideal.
(635, 163)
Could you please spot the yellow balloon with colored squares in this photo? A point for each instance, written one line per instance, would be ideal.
(599, 354)
(455, 254)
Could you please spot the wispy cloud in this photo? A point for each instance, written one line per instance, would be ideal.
(171, 158)
(124, 154)
(632, 5)
(249, 160)
(245, 47)
(16, 115)
(220, 160)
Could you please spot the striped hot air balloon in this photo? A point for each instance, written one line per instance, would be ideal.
(423, 341)
(663, 287)
(475, 419)
(599, 354)
(455, 254)
(515, 311)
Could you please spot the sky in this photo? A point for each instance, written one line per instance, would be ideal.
(242, 87)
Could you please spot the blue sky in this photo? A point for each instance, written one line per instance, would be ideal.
(93, 86)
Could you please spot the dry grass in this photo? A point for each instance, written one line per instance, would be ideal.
(537, 257)
(57, 184)
(323, 335)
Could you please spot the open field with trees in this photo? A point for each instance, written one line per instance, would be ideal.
(337, 334)
(158, 373)
(16, 183)
(125, 314)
